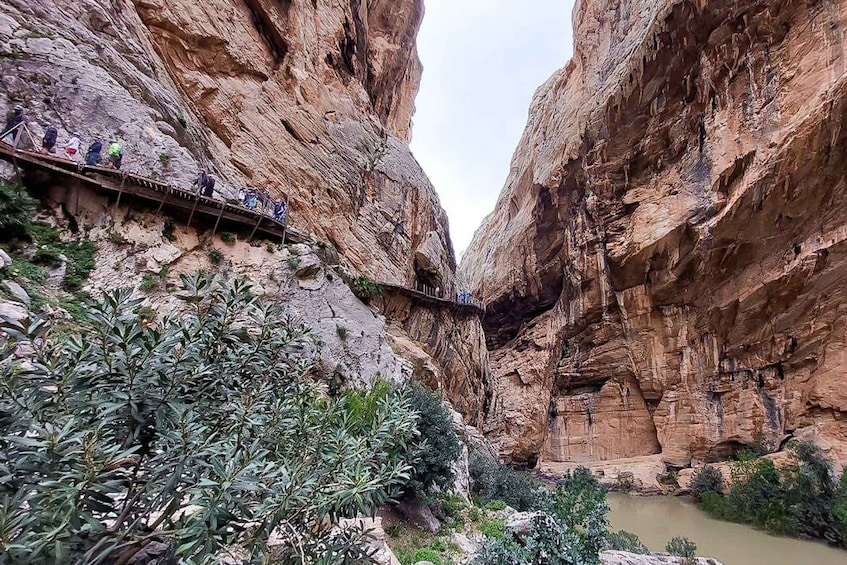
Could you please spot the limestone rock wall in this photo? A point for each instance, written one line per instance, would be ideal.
(309, 99)
(665, 266)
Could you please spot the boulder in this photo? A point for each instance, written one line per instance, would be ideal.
(17, 291)
(624, 558)
(5, 260)
(416, 512)
(12, 311)
(520, 523)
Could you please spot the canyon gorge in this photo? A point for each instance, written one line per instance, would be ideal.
(662, 274)
(664, 268)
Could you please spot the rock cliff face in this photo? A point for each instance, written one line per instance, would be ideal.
(665, 267)
(309, 99)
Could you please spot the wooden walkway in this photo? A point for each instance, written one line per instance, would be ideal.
(426, 294)
(209, 210)
(159, 194)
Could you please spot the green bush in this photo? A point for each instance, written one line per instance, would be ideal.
(216, 256)
(681, 547)
(495, 505)
(426, 554)
(16, 209)
(149, 281)
(440, 445)
(80, 256)
(571, 531)
(168, 231)
(228, 237)
(625, 541)
(203, 431)
(27, 270)
(803, 498)
(493, 481)
(365, 289)
(707, 479)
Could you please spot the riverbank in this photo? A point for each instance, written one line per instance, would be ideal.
(656, 519)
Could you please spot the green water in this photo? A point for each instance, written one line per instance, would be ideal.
(657, 519)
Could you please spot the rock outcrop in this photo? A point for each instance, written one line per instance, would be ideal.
(310, 100)
(665, 268)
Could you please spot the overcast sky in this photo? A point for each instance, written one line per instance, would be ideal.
(483, 60)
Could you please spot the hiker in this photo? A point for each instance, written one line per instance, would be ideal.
(48, 142)
(116, 155)
(251, 199)
(92, 157)
(265, 200)
(72, 147)
(14, 119)
(280, 208)
(205, 185)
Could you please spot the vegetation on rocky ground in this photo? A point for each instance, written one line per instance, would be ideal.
(804, 498)
(494, 482)
(440, 445)
(35, 246)
(205, 432)
(365, 288)
(569, 528)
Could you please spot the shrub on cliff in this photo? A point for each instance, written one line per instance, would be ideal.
(202, 432)
(16, 208)
(493, 481)
(440, 445)
(707, 479)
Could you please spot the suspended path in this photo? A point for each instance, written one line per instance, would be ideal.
(127, 185)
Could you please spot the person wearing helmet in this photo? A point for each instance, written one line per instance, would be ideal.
(116, 154)
(14, 119)
(48, 142)
(72, 147)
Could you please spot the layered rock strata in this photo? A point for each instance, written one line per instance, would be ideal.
(665, 266)
(310, 100)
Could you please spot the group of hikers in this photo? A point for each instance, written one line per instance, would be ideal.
(15, 126)
(16, 122)
(251, 198)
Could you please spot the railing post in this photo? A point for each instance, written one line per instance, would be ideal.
(217, 221)
(190, 216)
(165, 199)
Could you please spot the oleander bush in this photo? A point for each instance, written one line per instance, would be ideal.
(203, 431)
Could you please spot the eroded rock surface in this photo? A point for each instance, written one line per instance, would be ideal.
(311, 100)
(665, 266)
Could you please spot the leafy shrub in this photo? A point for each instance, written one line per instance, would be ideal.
(625, 541)
(47, 255)
(453, 504)
(570, 532)
(80, 256)
(493, 528)
(202, 431)
(342, 332)
(216, 256)
(16, 208)
(440, 445)
(364, 288)
(681, 547)
(707, 479)
(168, 231)
(149, 281)
(227, 237)
(493, 481)
(495, 505)
(426, 554)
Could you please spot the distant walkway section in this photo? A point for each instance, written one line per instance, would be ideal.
(160, 194)
(427, 294)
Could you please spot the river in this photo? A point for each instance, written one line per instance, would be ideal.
(655, 520)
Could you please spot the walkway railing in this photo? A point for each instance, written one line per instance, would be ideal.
(165, 195)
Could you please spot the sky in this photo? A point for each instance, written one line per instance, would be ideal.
(483, 61)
